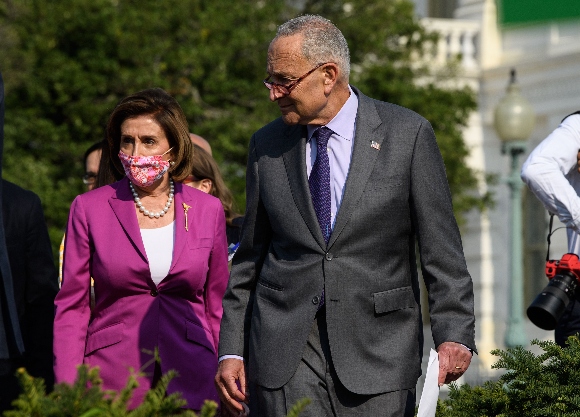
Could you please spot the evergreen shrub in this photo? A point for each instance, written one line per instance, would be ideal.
(546, 384)
(533, 385)
(86, 398)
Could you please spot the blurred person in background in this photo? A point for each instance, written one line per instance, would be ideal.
(92, 159)
(28, 287)
(158, 255)
(35, 285)
(201, 142)
(206, 176)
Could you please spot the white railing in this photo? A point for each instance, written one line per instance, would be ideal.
(458, 39)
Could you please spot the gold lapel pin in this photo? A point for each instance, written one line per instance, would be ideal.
(185, 209)
(375, 145)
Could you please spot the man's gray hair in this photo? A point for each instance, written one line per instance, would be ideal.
(323, 42)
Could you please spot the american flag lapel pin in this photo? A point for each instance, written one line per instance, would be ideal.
(375, 145)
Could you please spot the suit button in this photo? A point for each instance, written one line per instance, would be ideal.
(153, 293)
(316, 300)
(328, 256)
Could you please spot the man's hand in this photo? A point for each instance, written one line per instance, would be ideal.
(578, 160)
(454, 359)
(229, 372)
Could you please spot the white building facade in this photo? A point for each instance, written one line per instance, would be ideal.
(546, 56)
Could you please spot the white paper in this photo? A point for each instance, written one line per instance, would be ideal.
(430, 394)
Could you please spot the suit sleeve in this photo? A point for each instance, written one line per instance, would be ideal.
(72, 310)
(254, 243)
(217, 278)
(441, 252)
(41, 288)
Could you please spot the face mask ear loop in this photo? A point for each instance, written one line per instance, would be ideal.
(170, 161)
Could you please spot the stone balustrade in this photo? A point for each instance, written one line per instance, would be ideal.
(459, 39)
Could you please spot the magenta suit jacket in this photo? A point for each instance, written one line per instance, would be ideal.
(181, 316)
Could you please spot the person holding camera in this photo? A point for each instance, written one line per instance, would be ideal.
(551, 173)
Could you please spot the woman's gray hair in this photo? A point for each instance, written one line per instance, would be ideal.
(323, 42)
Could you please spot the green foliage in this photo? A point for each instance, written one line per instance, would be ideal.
(67, 63)
(298, 407)
(542, 385)
(86, 398)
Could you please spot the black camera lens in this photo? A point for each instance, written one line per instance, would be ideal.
(549, 305)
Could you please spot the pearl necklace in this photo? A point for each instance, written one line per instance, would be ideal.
(148, 213)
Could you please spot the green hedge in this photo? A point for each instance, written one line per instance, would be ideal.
(534, 385)
(86, 398)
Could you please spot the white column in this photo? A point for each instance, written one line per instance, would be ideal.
(485, 11)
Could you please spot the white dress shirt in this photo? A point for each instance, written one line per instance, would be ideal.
(339, 148)
(551, 173)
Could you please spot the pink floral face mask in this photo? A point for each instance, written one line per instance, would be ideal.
(144, 170)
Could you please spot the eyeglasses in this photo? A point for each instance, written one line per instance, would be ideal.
(89, 178)
(287, 89)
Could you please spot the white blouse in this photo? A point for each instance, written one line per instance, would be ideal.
(159, 249)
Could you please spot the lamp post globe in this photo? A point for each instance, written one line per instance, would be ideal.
(514, 122)
(514, 117)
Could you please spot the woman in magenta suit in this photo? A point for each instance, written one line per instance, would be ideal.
(158, 255)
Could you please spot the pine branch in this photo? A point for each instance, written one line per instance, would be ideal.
(86, 398)
(299, 407)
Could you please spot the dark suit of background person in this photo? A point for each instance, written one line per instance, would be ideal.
(29, 286)
(370, 326)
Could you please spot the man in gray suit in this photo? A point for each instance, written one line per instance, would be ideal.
(323, 299)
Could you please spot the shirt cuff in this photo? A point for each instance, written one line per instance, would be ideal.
(469, 349)
(221, 358)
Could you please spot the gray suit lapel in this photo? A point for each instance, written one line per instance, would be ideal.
(295, 163)
(362, 162)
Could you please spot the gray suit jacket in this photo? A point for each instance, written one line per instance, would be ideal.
(392, 197)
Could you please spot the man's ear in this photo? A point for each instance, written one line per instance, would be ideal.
(205, 185)
(331, 74)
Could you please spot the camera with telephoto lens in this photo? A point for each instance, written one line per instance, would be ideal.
(549, 305)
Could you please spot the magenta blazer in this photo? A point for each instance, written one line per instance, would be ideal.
(132, 317)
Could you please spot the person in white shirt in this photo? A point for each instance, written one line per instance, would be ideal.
(551, 173)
